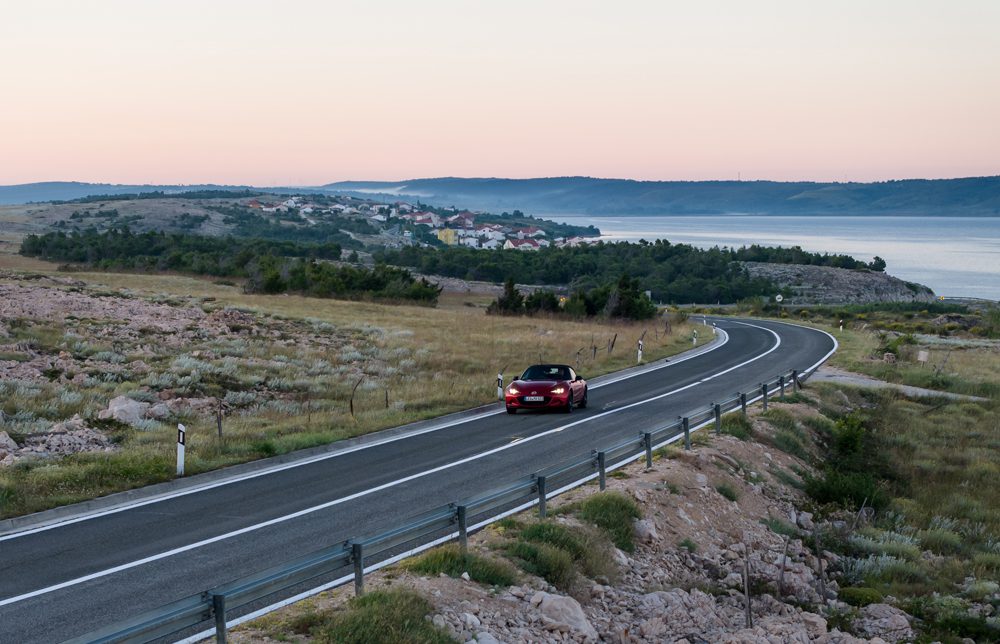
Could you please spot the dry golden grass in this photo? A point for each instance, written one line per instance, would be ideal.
(442, 359)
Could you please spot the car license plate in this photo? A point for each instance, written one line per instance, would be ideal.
(534, 398)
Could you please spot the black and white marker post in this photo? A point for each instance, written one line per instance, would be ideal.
(639, 352)
(500, 386)
(181, 430)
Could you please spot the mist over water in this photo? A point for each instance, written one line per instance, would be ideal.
(955, 256)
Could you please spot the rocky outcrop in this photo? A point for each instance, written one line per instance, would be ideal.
(565, 615)
(828, 285)
(885, 621)
(125, 410)
(68, 437)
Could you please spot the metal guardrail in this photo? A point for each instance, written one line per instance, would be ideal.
(438, 525)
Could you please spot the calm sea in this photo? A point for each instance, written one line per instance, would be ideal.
(955, 256)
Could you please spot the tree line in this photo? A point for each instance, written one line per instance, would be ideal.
(268, 266)
(674, 273)
(621, 299)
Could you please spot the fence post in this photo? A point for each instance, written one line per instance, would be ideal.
(781, 383)
(601, 471)
(219, 611)
(541, 497)
(718, 417)
(763, 393)
(795, 380)
(358, 557)
(743, 404)
(687, 432)
(463, 529)
(647, 441)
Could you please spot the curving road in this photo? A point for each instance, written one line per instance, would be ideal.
(86, 570)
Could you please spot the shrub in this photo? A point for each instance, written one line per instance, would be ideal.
(843, 488)
(688, 545)
(727, 492)
(553, 564)
(781, 527)
(450, 561)
(859, 596)
(590, 551)
(383, 617)
(614, 513)
(940, 541)
(738, 426)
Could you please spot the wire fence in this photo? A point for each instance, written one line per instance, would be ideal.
(352, 559)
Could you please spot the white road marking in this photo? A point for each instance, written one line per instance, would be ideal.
(378, 488)
(322, 457)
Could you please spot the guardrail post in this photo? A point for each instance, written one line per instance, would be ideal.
(601, 471)
(687, 432)
(781, 383)
(795, 380)
(717, 408)
(463, 529)
(647, 442)
(219, 611)
(541, 497)
(743, 404)
(358, 557)
(763, 393)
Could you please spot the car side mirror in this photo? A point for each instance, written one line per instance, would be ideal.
(578, 379)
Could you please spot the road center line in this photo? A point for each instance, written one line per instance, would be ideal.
(378, 488)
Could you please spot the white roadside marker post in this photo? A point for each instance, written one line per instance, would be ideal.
(694, 338)
(499, 386)
(639, 357)
(181, 430)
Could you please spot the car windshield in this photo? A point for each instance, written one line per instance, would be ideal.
(546, 372)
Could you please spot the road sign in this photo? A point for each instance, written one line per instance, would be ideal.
(778, 298)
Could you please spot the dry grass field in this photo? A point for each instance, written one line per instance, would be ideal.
(287, 380)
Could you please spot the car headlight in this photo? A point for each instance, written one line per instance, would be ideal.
(512, 391)
(559, 390)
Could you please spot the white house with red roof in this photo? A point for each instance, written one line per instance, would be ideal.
(521, 244)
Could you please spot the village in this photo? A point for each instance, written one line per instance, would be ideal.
(403, 224)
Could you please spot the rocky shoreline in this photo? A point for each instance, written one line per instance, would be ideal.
(828, 285)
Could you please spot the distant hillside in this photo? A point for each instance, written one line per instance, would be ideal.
(976, 197)
(941, 197)
(67, 190)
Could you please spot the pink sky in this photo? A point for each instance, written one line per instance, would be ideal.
(303, 92)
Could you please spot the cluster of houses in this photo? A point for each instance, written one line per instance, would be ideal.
(458, 229)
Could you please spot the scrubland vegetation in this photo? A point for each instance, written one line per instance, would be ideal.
(907, 489)
(285, 368)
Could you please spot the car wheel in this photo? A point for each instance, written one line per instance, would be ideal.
(511, 410)
(583, 403)
(569, 403)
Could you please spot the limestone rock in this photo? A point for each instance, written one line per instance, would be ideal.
(125, 410)
(885, 621)
(7, 443)
(645, 531)
(563, 613)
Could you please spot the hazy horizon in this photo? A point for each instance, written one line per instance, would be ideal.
(306, 93)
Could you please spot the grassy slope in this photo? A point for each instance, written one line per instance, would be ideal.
(443, 359)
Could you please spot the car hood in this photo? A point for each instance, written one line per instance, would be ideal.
(538, 385)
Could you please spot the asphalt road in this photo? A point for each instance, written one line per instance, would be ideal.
(73, 578)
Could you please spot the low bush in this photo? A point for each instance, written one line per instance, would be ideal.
(383, 617)
(784, 528)
(728, 492)
(450, 561)
(614, 513)
(849, 489)
(590, 551)
(688, 545)
(859, 596)
(738, 426)
(553, 564)
(944, 542)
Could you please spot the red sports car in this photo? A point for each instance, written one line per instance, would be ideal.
(547, 386)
